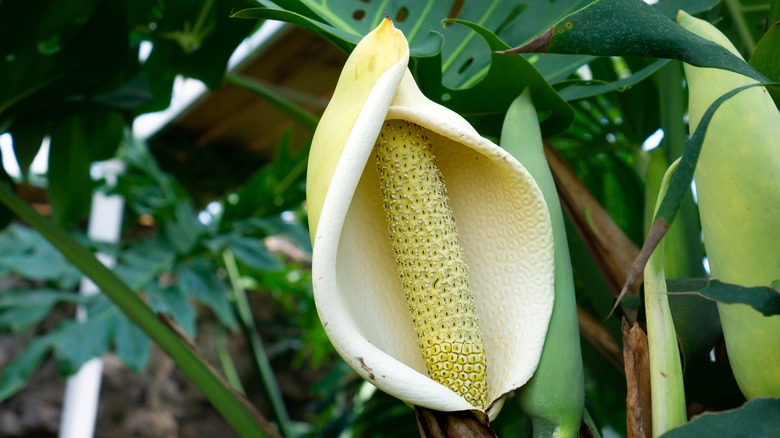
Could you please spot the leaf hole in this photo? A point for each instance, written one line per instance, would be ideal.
(465, 65)
(402, 14)
(359, 14)
(457, 6)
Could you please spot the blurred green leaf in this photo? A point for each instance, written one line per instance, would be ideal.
(18, 371)
(253, 253)
(744, 22)
(766, 59)
(75, 143)
(274, 188)
(595, 87)
(77, 342)
(757, 417)
(182, 228)
(6, 216)
(49, 67)
(765, 299)
(199, 280)
(27, 140)
(194, 39)
(132, 344)
(174, 302)
(70, 183)
(27, 253)
(141, 263)
(20, 310)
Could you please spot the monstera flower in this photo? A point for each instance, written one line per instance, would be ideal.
(433, 250)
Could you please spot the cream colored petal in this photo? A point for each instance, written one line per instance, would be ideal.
(349, 263)
(372, 72)
(507, 240)
(505, 231)
(356, 285)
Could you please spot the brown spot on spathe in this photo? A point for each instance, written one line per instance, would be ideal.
(366, 368)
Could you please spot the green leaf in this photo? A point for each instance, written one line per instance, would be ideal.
(48, 68)
(671, 7)
(77, 342)
(172, 301)
(240, 415)
(6, 216)
(464, 58)
(20, 310)
(64, 19)
(199, 280)
(29, 255)
(183, 230)
(75, 143)
(681, 180)
(766, 59)
(140, 264)
(764, 299)
(678, 188)
(27, 140)
(744, 22)
(132, 344)
(343, 40)
(274, 188)
(22, 318)
(757, 417)
(18, 371)
(596, 87)
(486, 103)
(194, 39)
(252, 252)
(632, 28)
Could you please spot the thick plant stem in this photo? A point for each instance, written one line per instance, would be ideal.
(666, 383)
(236, 410)
(554, 397)
(270, 386)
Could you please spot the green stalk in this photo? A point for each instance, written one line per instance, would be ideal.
(259, 355)
(666, 382)
(683, 252)
(555, 395)
(228, 366)
(236, 410)
(743, 28)
(283, 104)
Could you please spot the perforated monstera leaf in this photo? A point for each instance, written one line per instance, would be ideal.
(458, 55)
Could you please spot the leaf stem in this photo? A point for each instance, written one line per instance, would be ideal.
(272, 391)
(283, 104)
(735, 8)
(666, 383)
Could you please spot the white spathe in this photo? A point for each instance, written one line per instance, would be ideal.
(502, 222)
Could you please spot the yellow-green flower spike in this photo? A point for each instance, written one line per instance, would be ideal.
(429, 258)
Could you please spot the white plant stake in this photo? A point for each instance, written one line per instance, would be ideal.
(82, 390)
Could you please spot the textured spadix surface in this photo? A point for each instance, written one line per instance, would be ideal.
(502, 223)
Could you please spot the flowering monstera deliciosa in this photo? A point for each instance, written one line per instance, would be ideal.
(433, 249)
